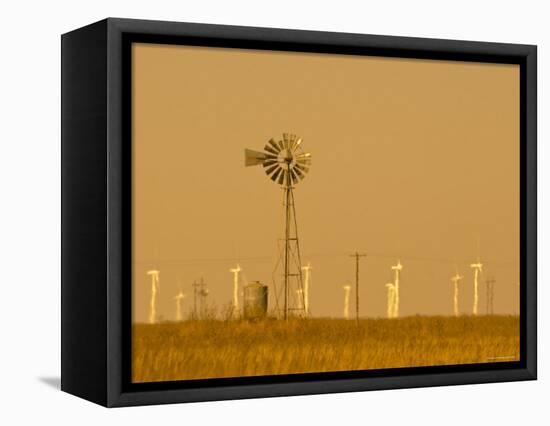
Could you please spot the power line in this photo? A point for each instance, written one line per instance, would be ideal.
(265, 259)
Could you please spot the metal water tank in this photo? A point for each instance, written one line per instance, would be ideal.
(255, 300)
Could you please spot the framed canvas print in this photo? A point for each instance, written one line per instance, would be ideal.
(252, 212)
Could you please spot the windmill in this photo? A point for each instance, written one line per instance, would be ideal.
(391, 300)
(286, 164)
(307, 269)
(155, 284)
(347, 288)
(478, 268)
(235, 272)
(455, 280)
(179, 298)
(397, 268)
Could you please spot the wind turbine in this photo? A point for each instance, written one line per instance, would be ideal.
(455, 280)
(155, 284)
(347, 288)
(179, 297)
(235, 272)
(478, 268)
(391, 300)
(307, 269)
(397, 268)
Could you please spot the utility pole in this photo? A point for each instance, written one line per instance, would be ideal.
(195, 285)
(490, 284)
(357, 255)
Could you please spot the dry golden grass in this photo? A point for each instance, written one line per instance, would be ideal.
(211, 348)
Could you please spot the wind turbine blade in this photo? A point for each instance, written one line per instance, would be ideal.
(282, 177)
(298, 172)
(285, 137)
(271, 150)
(290, 142)
(302, 168)
(275, 145)
(275, 175)
(296, 144)
(293, 175)
(268, 163)
(271, 169)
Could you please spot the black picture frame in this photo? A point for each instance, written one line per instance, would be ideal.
(96, 212)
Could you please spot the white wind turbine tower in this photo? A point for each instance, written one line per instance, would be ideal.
(235, 272)
(300, 296)
(477, 267)
(307, 269)
(397, 268)
(391, 300)
(179, 298)
(347, 288)
(155, 284)
(455, 280)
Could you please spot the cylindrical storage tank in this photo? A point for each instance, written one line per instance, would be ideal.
(255, 300)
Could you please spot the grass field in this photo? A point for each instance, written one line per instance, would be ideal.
(212, 348)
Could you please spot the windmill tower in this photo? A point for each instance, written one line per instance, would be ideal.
(455, 280)
(347, 288)
(155, 285)
(391, 300)
(286, 164)
(397, 270)
(179, 298)
(235, 272)
(307, 269)
(478, 268)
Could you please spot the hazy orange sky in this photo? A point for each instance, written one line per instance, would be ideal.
(411, 159)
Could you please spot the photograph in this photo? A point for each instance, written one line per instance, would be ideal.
(303, 212)
(278, 213)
